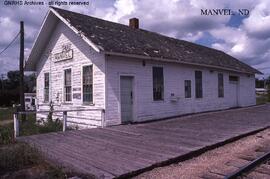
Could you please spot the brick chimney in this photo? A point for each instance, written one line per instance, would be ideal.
(134, 23)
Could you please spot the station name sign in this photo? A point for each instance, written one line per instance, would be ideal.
(66, 54)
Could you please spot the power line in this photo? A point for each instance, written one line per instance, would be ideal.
(10, 44)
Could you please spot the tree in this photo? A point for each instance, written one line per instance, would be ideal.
(10, 94)
(13, 79)
(259, 83)
(268, 88)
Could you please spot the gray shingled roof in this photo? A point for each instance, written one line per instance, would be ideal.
(119, 38)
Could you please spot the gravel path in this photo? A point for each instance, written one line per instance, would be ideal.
(208, 165)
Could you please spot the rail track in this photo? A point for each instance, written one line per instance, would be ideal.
(256, 168)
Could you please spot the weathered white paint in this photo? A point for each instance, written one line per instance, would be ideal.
(107, 71)
(174, 76)
(83, 55)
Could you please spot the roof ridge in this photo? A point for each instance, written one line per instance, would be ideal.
(173, 48)
(140, 29)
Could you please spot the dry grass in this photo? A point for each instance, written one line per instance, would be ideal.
(19, 160)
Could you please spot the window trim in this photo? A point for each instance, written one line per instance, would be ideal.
(44, 96)
(91, 102)
(64, 91)
(163, 91)
(196, 94)
(190, 89)
(221, 95)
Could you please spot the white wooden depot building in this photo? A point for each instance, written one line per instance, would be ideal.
(134, 75)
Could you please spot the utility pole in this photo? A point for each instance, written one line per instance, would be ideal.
(2, 82)
(22, 107)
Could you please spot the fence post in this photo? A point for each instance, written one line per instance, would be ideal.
(16, 125)
(64, 120)
(102, 118)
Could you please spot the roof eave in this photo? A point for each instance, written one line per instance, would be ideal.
(29, 66)
(89, 42)
(179, 61)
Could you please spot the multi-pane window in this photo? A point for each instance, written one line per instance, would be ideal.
(198, 84)
(67, 85)
(88, 84)
(158, 84)
(187, 88)
(46, 87)
(220, 85)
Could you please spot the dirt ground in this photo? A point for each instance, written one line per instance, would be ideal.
(215, 159)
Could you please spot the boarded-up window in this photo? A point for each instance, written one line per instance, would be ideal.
(220, 85)
(67, 84)
(158, 85)
(46, 87)
(187, 88)
(88, 84)
(198, 84)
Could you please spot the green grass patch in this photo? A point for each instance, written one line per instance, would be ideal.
(6, 134)
(6, 114)
(29, 127)
(261, 99)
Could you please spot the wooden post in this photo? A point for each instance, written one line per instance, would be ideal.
(64, 120)
(16, 125)
(102, 118)
(22, 70)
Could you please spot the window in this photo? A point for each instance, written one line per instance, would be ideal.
(220, 85)
(158, 86)
(67, 85)
(187, 88)
(88, 84)
(233, 78)
(46, 87)
(198, 84)
(33, 102)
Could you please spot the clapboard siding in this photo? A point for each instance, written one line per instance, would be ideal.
(82, 55)
(106, 76)
(174, 75)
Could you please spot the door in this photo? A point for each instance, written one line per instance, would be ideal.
(234, 95)
(126, 94)
(233, 84)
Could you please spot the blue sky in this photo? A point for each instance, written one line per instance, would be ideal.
(244, 37)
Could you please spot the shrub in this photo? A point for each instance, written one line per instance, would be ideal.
(51, 125)
(6, 134)
(30, 126)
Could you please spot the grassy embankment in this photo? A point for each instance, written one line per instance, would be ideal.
(18, 160)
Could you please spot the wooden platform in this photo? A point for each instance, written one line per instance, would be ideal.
(127, 149)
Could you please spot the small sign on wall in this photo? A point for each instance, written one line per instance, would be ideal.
(76, 89)
(76, 95)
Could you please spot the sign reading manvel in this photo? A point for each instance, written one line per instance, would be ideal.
(66, 54)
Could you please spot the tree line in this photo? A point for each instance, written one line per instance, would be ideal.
(10, 87)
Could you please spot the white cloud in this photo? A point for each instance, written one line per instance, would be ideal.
(258, 24)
